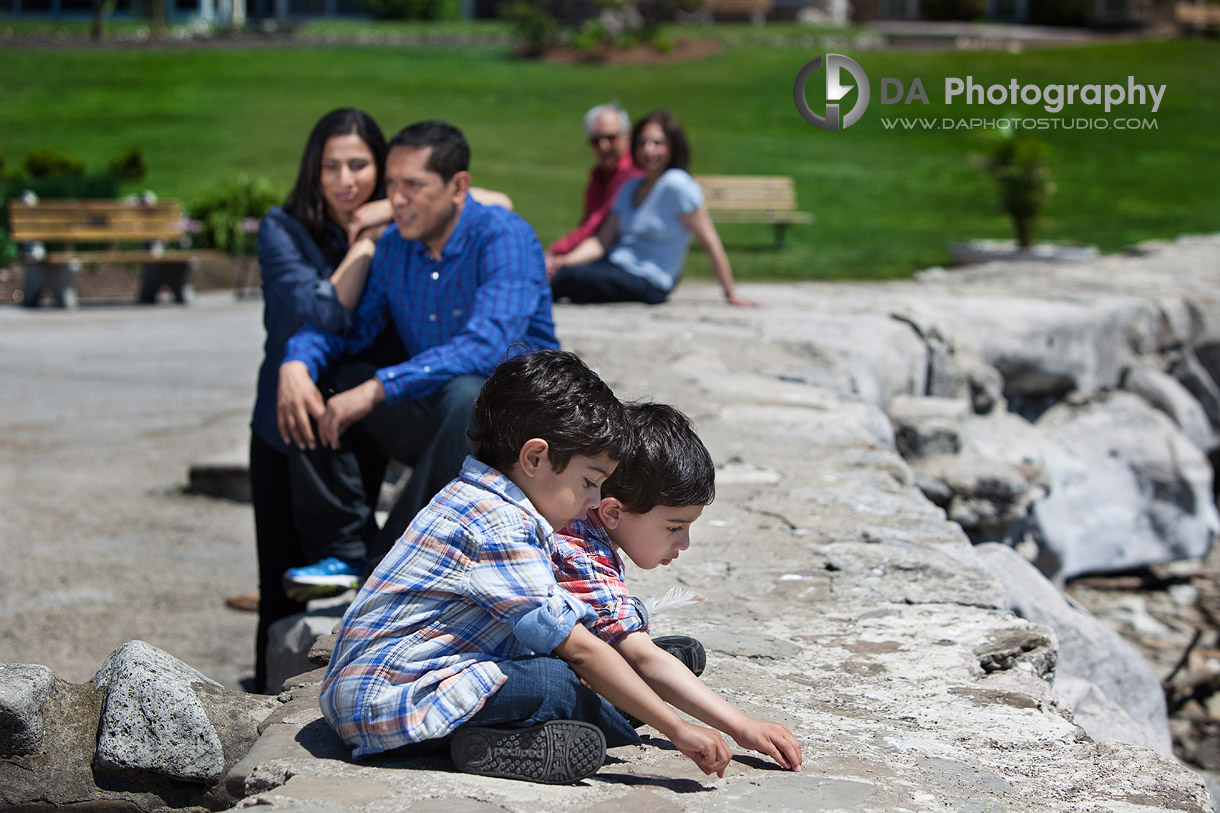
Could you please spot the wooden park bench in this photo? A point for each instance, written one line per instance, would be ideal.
(1197, 17)
(753, 199)
(57, 238)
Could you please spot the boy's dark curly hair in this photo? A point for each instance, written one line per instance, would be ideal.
(669, 465)
(553, 395)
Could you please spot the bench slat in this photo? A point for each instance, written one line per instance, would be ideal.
(748, 192)
(754, 216)
(80, 221)
(119, 257)
(134, 233)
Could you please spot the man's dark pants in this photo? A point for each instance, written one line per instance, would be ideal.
(333, 508)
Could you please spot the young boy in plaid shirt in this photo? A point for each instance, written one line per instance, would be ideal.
(461, 637)
(646, 510)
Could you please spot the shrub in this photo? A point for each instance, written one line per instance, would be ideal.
(90, 185)
(536, 27)
(128, 166)
(413, 9)
(952, 9)
(542, 24)
(1061, 12)
(228, 213)
(45, 162)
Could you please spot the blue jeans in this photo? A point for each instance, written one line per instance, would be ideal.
(539, 689)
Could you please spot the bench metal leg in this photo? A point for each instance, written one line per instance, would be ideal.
(779, 234)
(60, 280)
(176, 275)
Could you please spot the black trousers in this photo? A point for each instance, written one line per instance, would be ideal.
(279, 546)
(332, 502)
(603, 281)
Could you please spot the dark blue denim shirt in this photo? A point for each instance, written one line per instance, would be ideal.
(296, 292)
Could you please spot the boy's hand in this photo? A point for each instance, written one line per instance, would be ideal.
(703, 745)
(773, 739)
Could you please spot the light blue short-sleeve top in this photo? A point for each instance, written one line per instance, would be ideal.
(653, 241)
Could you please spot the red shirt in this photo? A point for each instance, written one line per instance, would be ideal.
(600, 194)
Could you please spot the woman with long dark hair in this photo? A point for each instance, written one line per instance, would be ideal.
(312, 274)
(640, 250)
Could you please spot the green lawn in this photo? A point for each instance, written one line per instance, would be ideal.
(886, 201)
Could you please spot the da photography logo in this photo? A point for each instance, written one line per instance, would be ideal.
(840, 75)
(835, 65)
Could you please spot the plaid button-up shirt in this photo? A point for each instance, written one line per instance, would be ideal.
(469, 584)
(457, 315)
(587, 565)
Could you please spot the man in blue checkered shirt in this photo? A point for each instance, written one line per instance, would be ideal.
(461, 283)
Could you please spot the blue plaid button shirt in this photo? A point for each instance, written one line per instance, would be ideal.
(467, 585)
(458, 315)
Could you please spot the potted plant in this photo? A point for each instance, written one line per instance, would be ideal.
(1017, 163)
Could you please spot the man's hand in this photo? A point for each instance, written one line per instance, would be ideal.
(773, 739)
(346, 408)
(297, 400)
(703, 745)
(553, 264)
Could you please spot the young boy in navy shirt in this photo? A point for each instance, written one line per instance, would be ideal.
(462, 638)
(648, 505)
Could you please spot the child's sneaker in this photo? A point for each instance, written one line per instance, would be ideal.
(329, 577)
(558, 752)
(686, 649)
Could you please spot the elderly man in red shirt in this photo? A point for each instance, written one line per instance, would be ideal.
(609, 132)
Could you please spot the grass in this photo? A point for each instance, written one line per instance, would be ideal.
(887, 201)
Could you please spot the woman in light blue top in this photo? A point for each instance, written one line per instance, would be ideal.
(639, 252)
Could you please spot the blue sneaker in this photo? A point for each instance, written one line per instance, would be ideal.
(329, 577)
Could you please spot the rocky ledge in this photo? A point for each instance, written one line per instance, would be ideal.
(1045, 412)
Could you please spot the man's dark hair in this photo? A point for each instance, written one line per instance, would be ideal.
(679, 147)
(305, 202)
(669, 465)
(450, 152)
(553, 395)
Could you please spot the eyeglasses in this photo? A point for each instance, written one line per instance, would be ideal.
(597, 138)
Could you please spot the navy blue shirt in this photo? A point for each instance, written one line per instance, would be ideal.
(296, 292)
(457, 315)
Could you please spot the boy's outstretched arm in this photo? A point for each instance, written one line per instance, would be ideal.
(677, 685)
(611, 677)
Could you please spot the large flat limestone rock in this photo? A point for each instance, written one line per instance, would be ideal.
(840, 601)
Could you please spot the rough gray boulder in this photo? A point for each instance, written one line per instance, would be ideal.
(24, 688)
(1167, 394)
(149, 732)
(151, 718)
(289, 639)
(1099, 666)
(1127, 489)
